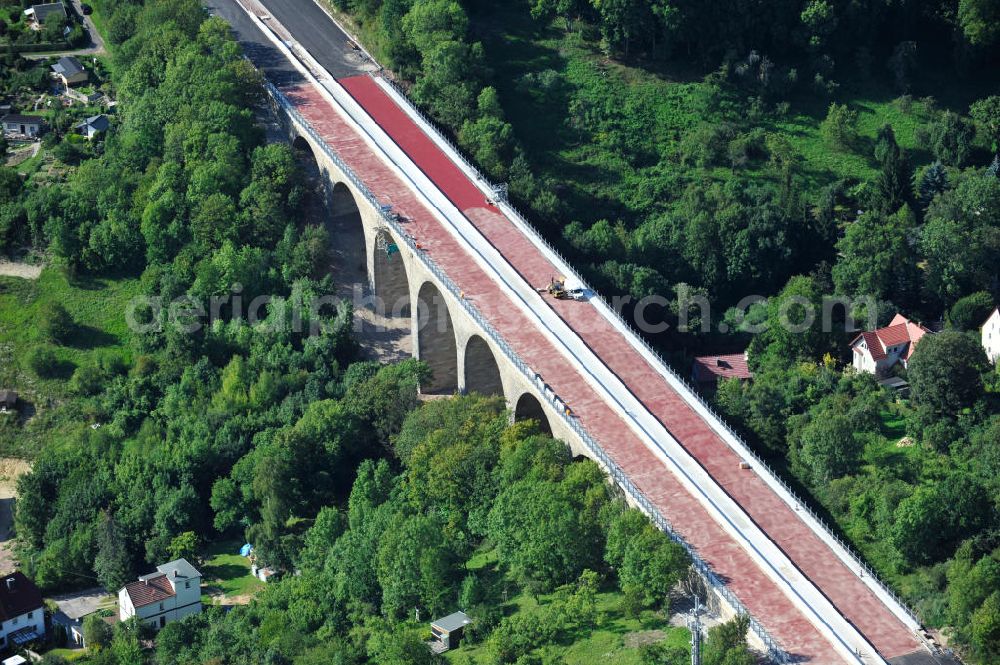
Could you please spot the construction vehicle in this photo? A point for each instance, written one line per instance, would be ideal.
(560, 290)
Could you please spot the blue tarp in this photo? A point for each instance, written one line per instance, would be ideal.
(246, 549)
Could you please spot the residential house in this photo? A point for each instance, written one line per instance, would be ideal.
(22, 613)
(17, 126)
(171, 593)
(8, 400)
(93, 126)
(37, 14)
(69, 71)
(879, 351)
(447, 632)
(991, 336)
(707, 370)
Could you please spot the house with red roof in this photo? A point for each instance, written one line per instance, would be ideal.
(878, 351)
(171, 593)
(708, 370)
(22, 613)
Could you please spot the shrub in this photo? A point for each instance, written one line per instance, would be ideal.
(42, 360)
(56, 323)
(86, 380)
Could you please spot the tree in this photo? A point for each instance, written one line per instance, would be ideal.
(877, 258)
(985, 627)
(830, 447)
(431, 22)
(112, 563)
(125, 645)
(933, 182)
(97, 633)
(540, 536)
(901, 63)
(648, 563)
(970, 312)
(986, 113)
(951, 138)
(979, 21)
(726, 644)
(840, 127)
(893, 180)
(945, 373)
(184, 546)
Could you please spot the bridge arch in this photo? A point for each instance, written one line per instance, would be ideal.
(529, 408)
(348, 248)
(436, 344)
(482, 373)
(390, 279)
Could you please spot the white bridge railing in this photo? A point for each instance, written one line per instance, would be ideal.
(774, 650)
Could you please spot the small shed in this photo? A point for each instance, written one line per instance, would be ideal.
(8, 400)
(15, 660)
(449, 630)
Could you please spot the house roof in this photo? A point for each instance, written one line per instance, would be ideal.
(99, 123)
(729, 366)
(40, 12)
(68, 66)
(179, 569)
(452, 622)
(18, 595)
(8, 397)
(149, 589)
(899, 331)
(22, 119)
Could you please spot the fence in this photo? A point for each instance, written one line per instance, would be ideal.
(775, 652)
(716, 420)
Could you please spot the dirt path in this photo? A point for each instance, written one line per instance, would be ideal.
(11, 469)
(22, 270)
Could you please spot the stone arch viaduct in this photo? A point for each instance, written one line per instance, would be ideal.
(432, 252)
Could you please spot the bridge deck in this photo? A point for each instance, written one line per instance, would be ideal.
(774, 516)
(759, 594)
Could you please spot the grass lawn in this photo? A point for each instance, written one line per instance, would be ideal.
(98, 307)
(227, 572)
(604, 643)
(68, 654)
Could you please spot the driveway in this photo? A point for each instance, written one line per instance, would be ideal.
(79, 604)
(95, 47)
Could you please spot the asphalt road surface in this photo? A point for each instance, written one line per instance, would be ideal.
(312, 28)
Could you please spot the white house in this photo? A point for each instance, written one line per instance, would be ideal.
(169, 594)
(17, 126)
(22, 613)
(991, 336)
(878, 351)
